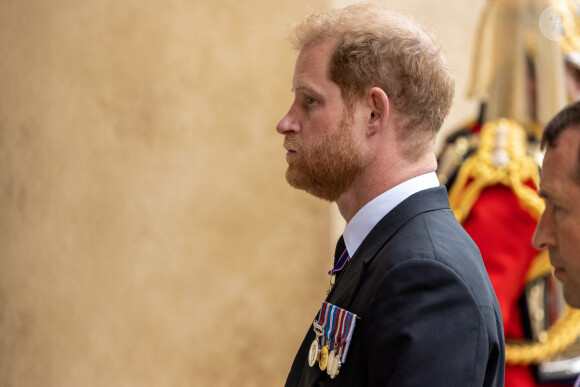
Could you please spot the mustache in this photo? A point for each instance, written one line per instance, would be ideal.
(290, 143)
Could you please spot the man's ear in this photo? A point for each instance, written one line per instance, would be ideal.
(378, 110)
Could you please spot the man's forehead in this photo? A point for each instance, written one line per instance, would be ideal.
(565, 151)
(560, 165)
(312, 82)
(314, 58)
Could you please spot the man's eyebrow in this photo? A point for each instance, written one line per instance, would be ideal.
(543, 194)
(307, 89)
(300, 88)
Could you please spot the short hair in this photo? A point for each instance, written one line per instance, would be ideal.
(567, 118)
(377, 47)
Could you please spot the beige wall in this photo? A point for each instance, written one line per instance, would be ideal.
(147, 235)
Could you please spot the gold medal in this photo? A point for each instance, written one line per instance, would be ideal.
(313, 354)
(323, 362)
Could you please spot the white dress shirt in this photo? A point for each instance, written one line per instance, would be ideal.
(371, 213)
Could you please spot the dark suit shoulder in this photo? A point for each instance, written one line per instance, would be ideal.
(424, 307)
(437, 236)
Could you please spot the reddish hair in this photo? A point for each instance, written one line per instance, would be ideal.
(377, 47)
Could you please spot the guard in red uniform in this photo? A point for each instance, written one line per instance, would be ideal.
(491, 170)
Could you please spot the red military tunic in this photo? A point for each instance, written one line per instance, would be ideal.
(482, 186)
(503, 231)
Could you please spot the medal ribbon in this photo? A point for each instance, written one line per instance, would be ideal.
(325, 323)
(341, 334)
(319, 325)
(336, 329)
(349, 336)
(344, 334)
(341, 263)
(321, 314)
(330, 325)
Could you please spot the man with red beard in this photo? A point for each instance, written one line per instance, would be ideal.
(411, 303)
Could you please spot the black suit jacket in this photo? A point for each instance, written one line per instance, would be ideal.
(428, 313)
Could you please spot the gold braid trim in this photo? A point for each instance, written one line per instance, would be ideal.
(502, 159)
(560, 335)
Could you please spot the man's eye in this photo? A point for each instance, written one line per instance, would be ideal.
(558, 210)
(309, 100)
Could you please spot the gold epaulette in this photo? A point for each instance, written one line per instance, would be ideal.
(501, 159)
(454, 153)
(504, 157)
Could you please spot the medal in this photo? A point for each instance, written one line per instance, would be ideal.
(313, 354)
(318, 327)
(331, 360)
(332, 357)
(333, 365)
(333, 330)
(323, 362)
(336, 366)
(340, 344)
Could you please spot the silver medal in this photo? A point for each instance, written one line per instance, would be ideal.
(331, 360)
(313, 354)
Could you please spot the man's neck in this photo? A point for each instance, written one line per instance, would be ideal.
(373, 183)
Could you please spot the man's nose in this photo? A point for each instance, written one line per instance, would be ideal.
(544, 236)
(287, 123)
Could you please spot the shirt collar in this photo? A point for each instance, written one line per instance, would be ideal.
(371, 213)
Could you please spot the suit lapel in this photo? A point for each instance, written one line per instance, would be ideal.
(349, 281)
(350, 278)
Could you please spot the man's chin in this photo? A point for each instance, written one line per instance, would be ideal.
(318, 190)
(560, 274)
(572, 295)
